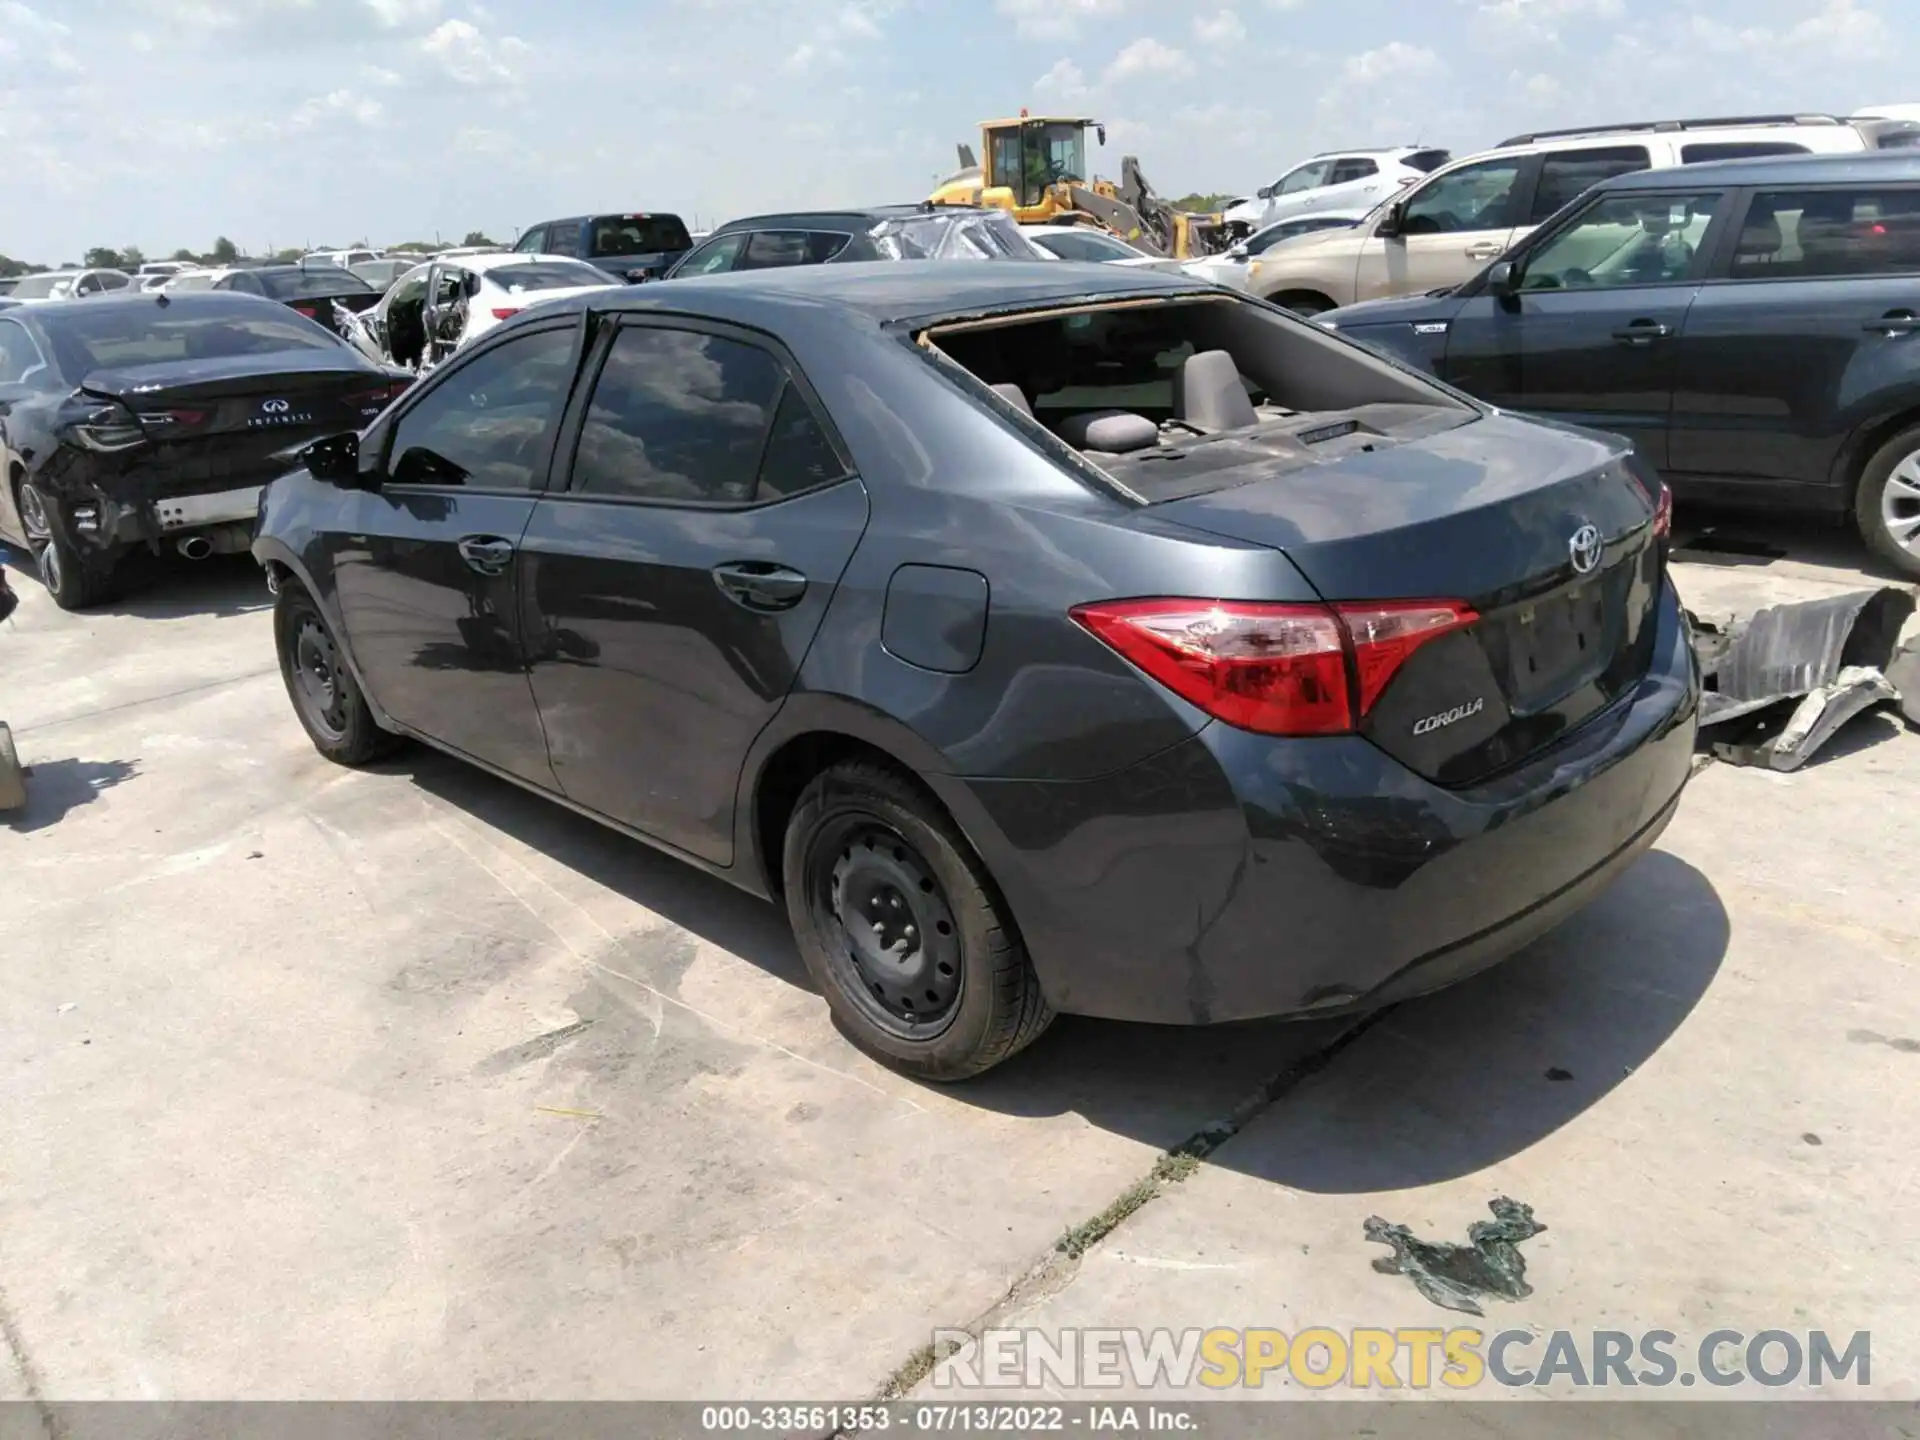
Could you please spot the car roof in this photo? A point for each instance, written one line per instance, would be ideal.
(891, 292)
(851, 215)
(127, 300)
(1879, 166)
(493, 259)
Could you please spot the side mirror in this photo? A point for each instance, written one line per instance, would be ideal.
(1502, 280)
(1394, 223)
(335, 459)
(1238, 252)
(1265, 192)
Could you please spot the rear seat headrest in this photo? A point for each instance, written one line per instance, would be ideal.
(1208, 393)
(1113, 432)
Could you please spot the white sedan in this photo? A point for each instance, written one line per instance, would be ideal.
(1230, 267)
(467, 295)
(1084, 242)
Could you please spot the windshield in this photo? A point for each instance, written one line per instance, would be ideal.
(115, 337)
(310, 281)
(43, 287)
(637, 235)
(546, 275)
(970, 235)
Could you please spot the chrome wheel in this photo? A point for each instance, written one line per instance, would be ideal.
(33, 516)
(1900, 504)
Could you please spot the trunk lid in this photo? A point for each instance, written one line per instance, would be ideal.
(1487, 513)
(227, 422)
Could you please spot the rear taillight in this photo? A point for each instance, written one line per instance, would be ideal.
(1273, 669)
(172, 419)
(307, 310)
(377, 398)
(110, 430)
(1663, 512)
(505, 312)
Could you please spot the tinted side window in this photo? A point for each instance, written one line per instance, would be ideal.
(1806, 234)
(712, 258)
(799, 455)
(563, 239)
(774, 249)
(485, 424)
(19, 356)
(1566, 175)
(1474, 197)
(533, 242)
(1310, 176)
(677, 415)
(1348, 171)
(1623, 240)
(1737, 150)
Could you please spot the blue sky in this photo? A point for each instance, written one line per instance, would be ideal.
(165, 122)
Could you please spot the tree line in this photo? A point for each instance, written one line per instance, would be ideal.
(224, 252)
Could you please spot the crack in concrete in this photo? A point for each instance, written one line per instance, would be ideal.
(1051, 1272)
(38, 726)
(30, 1378)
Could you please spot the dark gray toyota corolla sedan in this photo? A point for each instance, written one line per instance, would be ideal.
(1047, 637)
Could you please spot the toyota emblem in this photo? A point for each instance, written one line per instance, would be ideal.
(1585, 547)
(274, 407)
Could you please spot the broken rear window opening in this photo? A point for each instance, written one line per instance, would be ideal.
(1178, 397)
(637, 235)
(85, 343)
(311, 282)
(546, 275)
(954, 237)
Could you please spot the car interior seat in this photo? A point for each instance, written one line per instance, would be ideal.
(1760, 240)
(1208, 393)
(1015, 397)
(1825, 233)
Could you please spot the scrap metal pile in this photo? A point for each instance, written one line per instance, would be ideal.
(1781, 682)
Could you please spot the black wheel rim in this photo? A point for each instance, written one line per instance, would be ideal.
(887, 926)
(316, 677)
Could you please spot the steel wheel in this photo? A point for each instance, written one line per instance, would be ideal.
(891, 926)
(1900, 504)
(316, 678)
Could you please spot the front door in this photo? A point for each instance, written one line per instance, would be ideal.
(1814, 313)
(1601, 303)
(673, 589)
(426, 577)
(1452, 226)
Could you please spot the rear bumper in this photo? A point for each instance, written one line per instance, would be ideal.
(1237, 876)
(177, 516)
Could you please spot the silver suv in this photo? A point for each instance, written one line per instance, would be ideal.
(1446, 229)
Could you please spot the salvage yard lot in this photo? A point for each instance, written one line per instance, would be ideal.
(402, 1083)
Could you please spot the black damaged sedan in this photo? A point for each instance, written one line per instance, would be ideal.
(1046, 638)
(152, 420)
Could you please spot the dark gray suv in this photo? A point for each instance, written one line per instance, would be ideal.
(1752, 326)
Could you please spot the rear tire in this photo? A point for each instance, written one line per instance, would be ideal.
(325, 696)
(75, 578)
(901, 929)
(1886, 506)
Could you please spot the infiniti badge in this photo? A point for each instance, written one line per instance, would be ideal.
(1585, 547)
(274, 407)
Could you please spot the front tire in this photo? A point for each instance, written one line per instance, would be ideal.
(901, 929)
(75, 579)
(325, 696)
(1886, 507)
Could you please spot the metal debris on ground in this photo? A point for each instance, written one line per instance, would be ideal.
(1456, 1276)
(1781, 682)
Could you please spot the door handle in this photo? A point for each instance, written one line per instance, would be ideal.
(1483, 250)
(760, 584)
(1642, 332)
(488, 554)
(1894, 322)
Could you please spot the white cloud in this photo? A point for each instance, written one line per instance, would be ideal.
(1057, 19)
(1219, 30)
(1393, 60)
(340, 104)
(1147, 56)
(466, 56)
(1534, 23)
(1063, 82)
(397, 14)
(380, 75)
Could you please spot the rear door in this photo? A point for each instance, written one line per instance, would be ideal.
(672, 590)
(1453, 225)
(1809, 329)
(427, 573)
(1600, 308)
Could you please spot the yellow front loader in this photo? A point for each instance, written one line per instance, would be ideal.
(1036, 167)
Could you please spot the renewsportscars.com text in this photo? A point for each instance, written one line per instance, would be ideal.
(1405, 1358)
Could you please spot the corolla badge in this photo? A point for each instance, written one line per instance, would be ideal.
(1585, 546)
(1449, 717)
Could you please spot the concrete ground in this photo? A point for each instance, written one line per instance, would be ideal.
(405, 1084)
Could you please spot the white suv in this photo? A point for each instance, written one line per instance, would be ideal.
(1447, 228)
(1336, 180)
